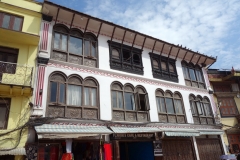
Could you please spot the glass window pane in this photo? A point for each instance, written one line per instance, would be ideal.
(207, 109)
(129, 101)
(192, 74)
(75, 45)
(161, 104)
(74, 95)
(171, 68)
(94, 96)
(64, 42)
(6, 21)
(199, 76)
(193, 107)
(199, 108)
(86, 96)
(17, 24)
(169, 105)
(94, 51)
(56, 40)
(185, 72)
(164, 66)
(120, 100)
(155, 64)
(53, 96)
(115, 54)
(62, 93)
(114, 99)
(3, 111)
(178, 106)
(86, 48)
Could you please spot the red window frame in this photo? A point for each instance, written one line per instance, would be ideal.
(228, 107)
(11, 22)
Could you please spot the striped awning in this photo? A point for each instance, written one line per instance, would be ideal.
(16, 151)
(181, 132)
(70, 131)
(119, 129)
(211, 132)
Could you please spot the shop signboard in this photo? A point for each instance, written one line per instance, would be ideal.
(157, 145)
(131, 136)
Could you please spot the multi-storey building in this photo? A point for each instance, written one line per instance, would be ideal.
(102, 85)
(225, 84)
(19, 37)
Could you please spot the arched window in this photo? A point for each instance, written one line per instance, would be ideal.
(73, 97)
(193, 75)
(201, 110)
(71, 45)
(129, 103)
(115, 54)
(155, 64)
(170, 107)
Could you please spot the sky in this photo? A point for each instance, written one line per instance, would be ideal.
(211, 27)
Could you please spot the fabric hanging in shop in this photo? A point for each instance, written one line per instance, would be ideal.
(67, 156)
(108, 151)
(31, 151)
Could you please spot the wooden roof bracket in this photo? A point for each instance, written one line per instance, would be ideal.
(57, 16)
(177, 54)
(72, 20)
(99, 29)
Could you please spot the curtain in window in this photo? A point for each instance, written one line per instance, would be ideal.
(129, 101)
(117, 99)
(169, 105)
(93, 97)
(74, 95)
(178, 106)
(62, 93)
(86, 96)
(161, 105)
(185, 72)
(207, 109)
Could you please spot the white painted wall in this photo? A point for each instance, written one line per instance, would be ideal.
(105, 81)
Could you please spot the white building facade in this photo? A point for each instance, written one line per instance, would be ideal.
(100, 81)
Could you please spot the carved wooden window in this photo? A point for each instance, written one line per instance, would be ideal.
(129, 101)
(163, 67)
(73, 97)
(4, 112)
(222, 88)
(10, 21)
(228, 107)
(193, 75)
(73, 46)
(125, 58)
(201, 110)
(170, 107)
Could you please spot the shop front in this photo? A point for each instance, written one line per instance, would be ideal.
(78, 142)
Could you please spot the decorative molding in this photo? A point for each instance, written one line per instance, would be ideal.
(96, 71)
(39, 86)
(44, 36)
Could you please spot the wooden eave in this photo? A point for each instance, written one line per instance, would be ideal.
(85, 22)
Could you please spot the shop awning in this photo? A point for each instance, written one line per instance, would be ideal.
(16, 151)
(70, 131)
(211, 132)
(119, 129)
(181, 132)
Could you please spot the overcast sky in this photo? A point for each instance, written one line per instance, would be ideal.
(211, 27)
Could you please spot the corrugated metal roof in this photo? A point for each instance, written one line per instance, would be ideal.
(134, 129)
(50, 128)
(16, 151)
(181, 132)
(211, 132)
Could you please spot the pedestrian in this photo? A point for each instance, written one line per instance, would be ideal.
(238, 155)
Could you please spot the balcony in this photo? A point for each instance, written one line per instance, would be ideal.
(15, 78)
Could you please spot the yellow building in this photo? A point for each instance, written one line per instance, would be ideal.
(225, 84)
(19, 37)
